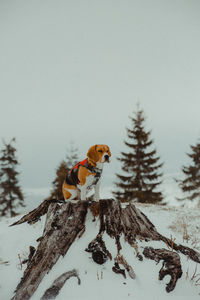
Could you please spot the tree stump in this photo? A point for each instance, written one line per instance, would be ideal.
(65, 222)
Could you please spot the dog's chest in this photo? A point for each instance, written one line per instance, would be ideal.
(92, 180)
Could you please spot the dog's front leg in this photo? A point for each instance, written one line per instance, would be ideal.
(83, 191)
(79, 195)
(96, 191)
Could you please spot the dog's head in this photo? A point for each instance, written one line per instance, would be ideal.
(99, 153)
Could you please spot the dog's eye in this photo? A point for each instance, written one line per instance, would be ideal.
(100, 151)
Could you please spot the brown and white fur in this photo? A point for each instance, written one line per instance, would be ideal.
(97, 155)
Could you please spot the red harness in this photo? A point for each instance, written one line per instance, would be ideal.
(72, 176)
(80, 163)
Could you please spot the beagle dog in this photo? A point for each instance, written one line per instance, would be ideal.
(86, 174)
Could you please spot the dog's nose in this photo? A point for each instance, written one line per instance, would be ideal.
(106, 157)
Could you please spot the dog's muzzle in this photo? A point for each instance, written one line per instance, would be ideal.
(107, 158)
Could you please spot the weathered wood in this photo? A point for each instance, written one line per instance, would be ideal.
(100, 253)
(137, 226)
(31, 253)
(119, 259)
(133, 225)
(66, 222)
(53, 291)
(130, 221)
(116, 268)
(62, 226)
(191, 253)
(35, 215)
(171, 264)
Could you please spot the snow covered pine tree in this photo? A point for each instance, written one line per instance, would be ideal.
(11, 196)
(191, 184)
(140, 167)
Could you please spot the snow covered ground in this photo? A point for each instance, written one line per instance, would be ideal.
(99, 281)
(169, 188)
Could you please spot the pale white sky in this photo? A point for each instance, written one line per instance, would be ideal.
(76, 69)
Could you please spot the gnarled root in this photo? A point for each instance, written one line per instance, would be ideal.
(171, 264)
(53, 291)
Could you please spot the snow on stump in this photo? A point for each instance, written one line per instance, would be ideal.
(65, 222)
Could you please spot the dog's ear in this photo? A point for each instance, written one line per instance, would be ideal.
(109, 153)
(93, 154)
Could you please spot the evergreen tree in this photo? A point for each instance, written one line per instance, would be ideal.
(58, 181)
(61, 171)
(72, 156)
(11, 196)
(190, 186)
(139, 165)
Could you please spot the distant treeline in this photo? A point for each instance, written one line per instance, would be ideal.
(139, 179)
